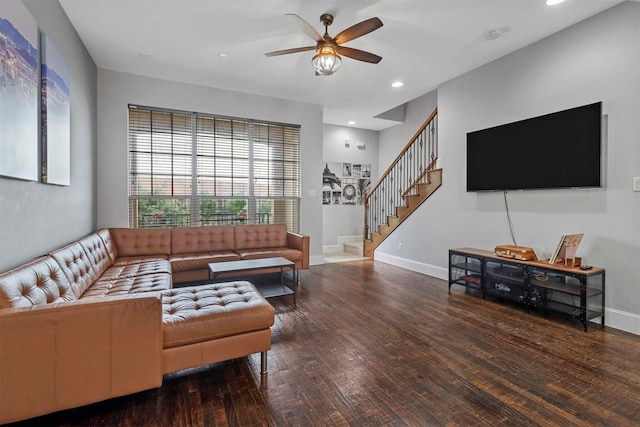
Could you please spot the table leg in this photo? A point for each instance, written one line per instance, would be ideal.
(295, 283)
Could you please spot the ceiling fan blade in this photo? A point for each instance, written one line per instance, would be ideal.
(358, 54)
(304, 26)
(288, 51)
(358, 30)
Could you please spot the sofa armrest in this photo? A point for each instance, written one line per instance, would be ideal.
(301, 243)
(64, 355)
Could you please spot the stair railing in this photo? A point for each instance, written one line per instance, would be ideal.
(408, 169)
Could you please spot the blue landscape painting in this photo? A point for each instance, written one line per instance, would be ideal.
(19, 91)
(56, 115)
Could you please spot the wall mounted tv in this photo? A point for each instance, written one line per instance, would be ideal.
(557, 150)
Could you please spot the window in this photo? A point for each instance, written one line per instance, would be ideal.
(190, 169)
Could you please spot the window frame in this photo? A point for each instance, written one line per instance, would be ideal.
(286, 172)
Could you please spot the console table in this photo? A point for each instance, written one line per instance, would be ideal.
(267, 291)
(536, 284)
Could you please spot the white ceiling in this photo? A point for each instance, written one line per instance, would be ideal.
(423, 43)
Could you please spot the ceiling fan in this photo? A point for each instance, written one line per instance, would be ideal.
(328, 49)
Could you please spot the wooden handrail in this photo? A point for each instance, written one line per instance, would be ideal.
(402, 153)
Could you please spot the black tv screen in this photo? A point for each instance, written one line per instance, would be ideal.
(557, 150)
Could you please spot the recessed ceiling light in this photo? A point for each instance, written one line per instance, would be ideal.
(554, 2)
(351, 122)
(397, 84)
(493, 34)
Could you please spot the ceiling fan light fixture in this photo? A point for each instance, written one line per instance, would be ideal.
(326, 61)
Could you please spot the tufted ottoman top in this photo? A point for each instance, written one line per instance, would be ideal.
(202, 313)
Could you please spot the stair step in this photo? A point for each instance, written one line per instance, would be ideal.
(393, 221)
(385, 229)
(353, 248)
(368, 249)
(413, 199)
(376, 238)
(402, 211)
(423, 187)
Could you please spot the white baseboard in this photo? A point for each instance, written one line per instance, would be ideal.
(419, 267)
(622, 320)
(327, 249)
(330, 249)
(617, 319)
(316, 260)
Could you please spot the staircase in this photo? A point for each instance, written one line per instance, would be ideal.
(353, 248)
(405, 185)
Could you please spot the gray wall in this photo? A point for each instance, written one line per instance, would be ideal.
(394, 139)
(117, 90)
(596, 60)
(341, 220)
(36, 218)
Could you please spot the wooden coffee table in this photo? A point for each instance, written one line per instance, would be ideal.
(267, 291)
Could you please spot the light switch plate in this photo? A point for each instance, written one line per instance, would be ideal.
(636, 183)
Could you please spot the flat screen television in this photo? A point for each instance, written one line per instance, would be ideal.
(556, 150)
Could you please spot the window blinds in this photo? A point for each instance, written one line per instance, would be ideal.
(190, 169)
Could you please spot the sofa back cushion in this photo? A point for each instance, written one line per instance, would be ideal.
(109, 244)
(142, 241)
(202, 239)
(40, 281)
(260, 236)
(99, 256)
(77, 266)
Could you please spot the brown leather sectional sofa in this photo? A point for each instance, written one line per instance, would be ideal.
(100, 318)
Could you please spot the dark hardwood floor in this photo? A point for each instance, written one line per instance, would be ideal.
(370, 344)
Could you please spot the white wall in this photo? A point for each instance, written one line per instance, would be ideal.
(117, 90)
(596, 60)
(37, 218)
(341, 220)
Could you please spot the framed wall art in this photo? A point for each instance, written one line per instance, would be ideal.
(19, 91)
(56, 115)
(345, 183)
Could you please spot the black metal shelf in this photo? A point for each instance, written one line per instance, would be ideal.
(468, 266)
(511, 278)
(467, 271)
(506, 294)
(537, 285)
(275, 290)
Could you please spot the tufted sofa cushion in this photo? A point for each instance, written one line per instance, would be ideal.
(100, 256)
(108, 287)
(193, 248)
(131, 260)
(200, 313)
(40, 281)
(202, 239)
(109, 244)
(261, 236)
(199, 261)
(142, 241)
(143, 268)
(77, 266)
